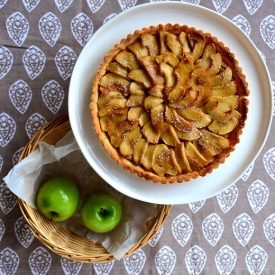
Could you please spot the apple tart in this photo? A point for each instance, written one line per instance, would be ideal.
(169, 103)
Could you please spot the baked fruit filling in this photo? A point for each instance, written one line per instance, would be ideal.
(169, 103)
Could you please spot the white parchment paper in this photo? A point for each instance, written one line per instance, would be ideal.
(65, 159)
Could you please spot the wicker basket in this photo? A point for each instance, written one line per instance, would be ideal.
(61, 240)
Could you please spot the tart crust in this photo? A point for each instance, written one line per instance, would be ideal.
(202, 164)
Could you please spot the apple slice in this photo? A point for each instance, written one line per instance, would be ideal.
(140, 150)
(204, 95)
(155, 74)
(148, 61)
(191, 135)
(216, 62)
(143, 119)
(141, 76)
(157, 90)
(205, 142)
(135, 113)
(157, 118)
(225, 90)
(116, 68)
(199, 44)
(174, 94)
(218, 116)
(188, 100)
(226, 103)
(150, 134)
(113, 81)
(223, 128)
(194, 154)
(168, 73)
(205, 61)
(210, 105)
(136, 88)
(204, 151)
(220, 141)
(170, 137)
(138, 49)
(173, 44)
(182, 158)
(185, 43)
(126, 148)
(115, 103)
(162, 42)
(191, 113)
(197, 75)
(127, 60)
(104, 100)
(222, 78)
(135, 100)
(183, 70)
(150, 41)
(149, 155)
(152, 101)
(203, 122)
(170, 59)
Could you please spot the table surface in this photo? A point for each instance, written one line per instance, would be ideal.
(231, 233)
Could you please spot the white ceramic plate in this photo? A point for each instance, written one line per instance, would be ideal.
(252, 139)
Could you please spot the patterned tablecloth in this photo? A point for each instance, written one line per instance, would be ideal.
(231, 233)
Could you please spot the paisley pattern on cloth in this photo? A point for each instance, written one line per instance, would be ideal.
(230, 233)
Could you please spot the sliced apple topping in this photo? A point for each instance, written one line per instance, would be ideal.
(169, 102)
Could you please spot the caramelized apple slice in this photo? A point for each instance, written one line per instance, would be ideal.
(218, 116)
(204, 151)
(116, 139)
(205, 142)
(152, 101)
(196, 77)
(182, 158)
(117, 116)
(210, 105)
(203, 122)
(183, 70)
(170, 59)
(204, 95)
(136, 89)
(115, 82)
(115, 103)
(138, 49)
(127, 60)
(188, 100)
(155, 74)
(184, 41)
(143, 119)
(173, 44)
(191, 113)
(226, 103)
(170, 137)
(148, 61)
(205, 61)
(225, 90)
(149, 133)
(135, 100)
(191, 135)
(157, 90)
(148, 158)
(162, 42)
(157, 118)
(126, 148)
(223, 128)
(140, 150)
(104, 100)
(140, 76)
(168, 73)
(135, 113)
(220, 141)
(150, 41)
(116, 68)
(172, 117)
(165, 161)
(216, 62)
(222, 78)
(198, 47)
(174, 94)
(194, 154)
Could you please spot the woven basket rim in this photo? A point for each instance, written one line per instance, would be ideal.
(61, 240)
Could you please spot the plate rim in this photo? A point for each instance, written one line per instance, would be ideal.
(170, 4)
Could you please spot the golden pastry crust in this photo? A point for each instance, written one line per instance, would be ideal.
(169, 103)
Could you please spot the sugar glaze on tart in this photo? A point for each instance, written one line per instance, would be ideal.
(169, 103)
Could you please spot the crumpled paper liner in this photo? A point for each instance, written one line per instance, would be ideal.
(65, 159)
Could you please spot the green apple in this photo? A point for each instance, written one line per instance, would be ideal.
(101, 212)
(58, 198)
